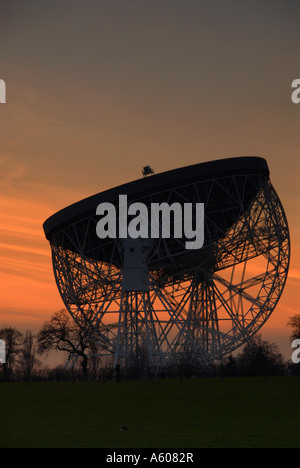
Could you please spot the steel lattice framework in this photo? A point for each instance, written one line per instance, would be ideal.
(197, 306)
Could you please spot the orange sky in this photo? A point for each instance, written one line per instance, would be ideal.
(96, 90)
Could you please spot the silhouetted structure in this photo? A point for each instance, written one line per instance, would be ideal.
(151, 303)
(147, 171)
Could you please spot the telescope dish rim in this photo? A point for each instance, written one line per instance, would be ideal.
(162, 181)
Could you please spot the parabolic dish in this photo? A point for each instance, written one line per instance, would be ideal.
(202, 303)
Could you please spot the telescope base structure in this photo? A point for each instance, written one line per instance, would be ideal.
(154, 310)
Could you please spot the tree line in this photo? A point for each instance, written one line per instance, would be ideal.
(25, 352)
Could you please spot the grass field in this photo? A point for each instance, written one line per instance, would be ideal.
(194, 413)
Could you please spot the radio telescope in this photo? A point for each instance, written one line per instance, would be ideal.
(153, 302)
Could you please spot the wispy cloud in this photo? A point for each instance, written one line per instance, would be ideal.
(23, 248)
(12, 175)
(294, 273)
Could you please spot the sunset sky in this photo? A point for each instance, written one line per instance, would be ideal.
(97, 89)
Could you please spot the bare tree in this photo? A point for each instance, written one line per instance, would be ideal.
(294, 323)
(28, 362)
(63, 334)
(259, 357)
